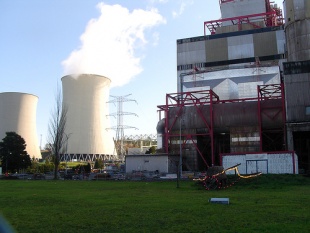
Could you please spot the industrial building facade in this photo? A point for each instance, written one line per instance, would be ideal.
(243, 88)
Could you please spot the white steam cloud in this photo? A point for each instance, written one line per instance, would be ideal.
(109, 43)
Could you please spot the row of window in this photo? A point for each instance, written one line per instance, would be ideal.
(229, 62)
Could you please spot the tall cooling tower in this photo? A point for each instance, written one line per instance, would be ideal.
(85, 97)
(18, 114)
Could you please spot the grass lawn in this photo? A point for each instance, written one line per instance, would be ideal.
(268, 203)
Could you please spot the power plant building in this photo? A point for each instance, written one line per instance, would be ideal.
(18, 114)
(242, 88)
(85, 97)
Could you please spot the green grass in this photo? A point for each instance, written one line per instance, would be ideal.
(268, 203)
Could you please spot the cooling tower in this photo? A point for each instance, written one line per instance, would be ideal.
(85, 97)
(18, 114)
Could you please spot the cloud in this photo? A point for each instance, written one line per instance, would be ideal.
(109, 44)
(158, 1)
(181, 9)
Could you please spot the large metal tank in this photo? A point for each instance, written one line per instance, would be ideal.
(297, 29)
(227, 116)
(160, 133)
(18, 114)
(86, 96)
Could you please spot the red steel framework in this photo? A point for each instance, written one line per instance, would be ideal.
(208, 97)
(265, 93)
(182, 100)
(272, 17)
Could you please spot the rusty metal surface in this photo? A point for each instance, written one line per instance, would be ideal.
(227, 115)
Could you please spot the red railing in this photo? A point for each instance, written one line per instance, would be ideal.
(272, 18)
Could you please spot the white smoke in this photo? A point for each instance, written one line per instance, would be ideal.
(109, 43)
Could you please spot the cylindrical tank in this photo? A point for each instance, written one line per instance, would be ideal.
(160, 128)
(297, 29)
(296, 10)
(18, 114)
(85, 96)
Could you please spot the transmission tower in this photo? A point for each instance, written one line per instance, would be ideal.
(120, 127)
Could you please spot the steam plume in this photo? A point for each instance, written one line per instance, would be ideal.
(109, 43)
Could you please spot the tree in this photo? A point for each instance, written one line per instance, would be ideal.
(152, 150)
(98, 164)
(56, 130)
(13, 154)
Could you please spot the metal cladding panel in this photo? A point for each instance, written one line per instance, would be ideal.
(231, 115)
(191, 53)
(233, 83)
(265, 44)
(18, 114)
(86, 97)
(298, 40)
(190, 46)
(216, 50)
(297, 94)
(272, 109)
(280, 40)
(296, 10)
(240, 8)
(240, 27)
(244, 139)
(227, 89)
(248, 90)
(240, 47)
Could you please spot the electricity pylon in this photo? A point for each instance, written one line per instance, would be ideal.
(120, 127)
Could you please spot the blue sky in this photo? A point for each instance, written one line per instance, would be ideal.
(38, 36)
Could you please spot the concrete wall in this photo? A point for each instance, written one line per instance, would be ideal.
(267, 163)
(147, 162)
(297, 95)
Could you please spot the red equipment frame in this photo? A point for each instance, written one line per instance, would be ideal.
(208, 97)
(267, 92)
(190, 99)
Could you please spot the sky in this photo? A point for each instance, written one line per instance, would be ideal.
(131, 42)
